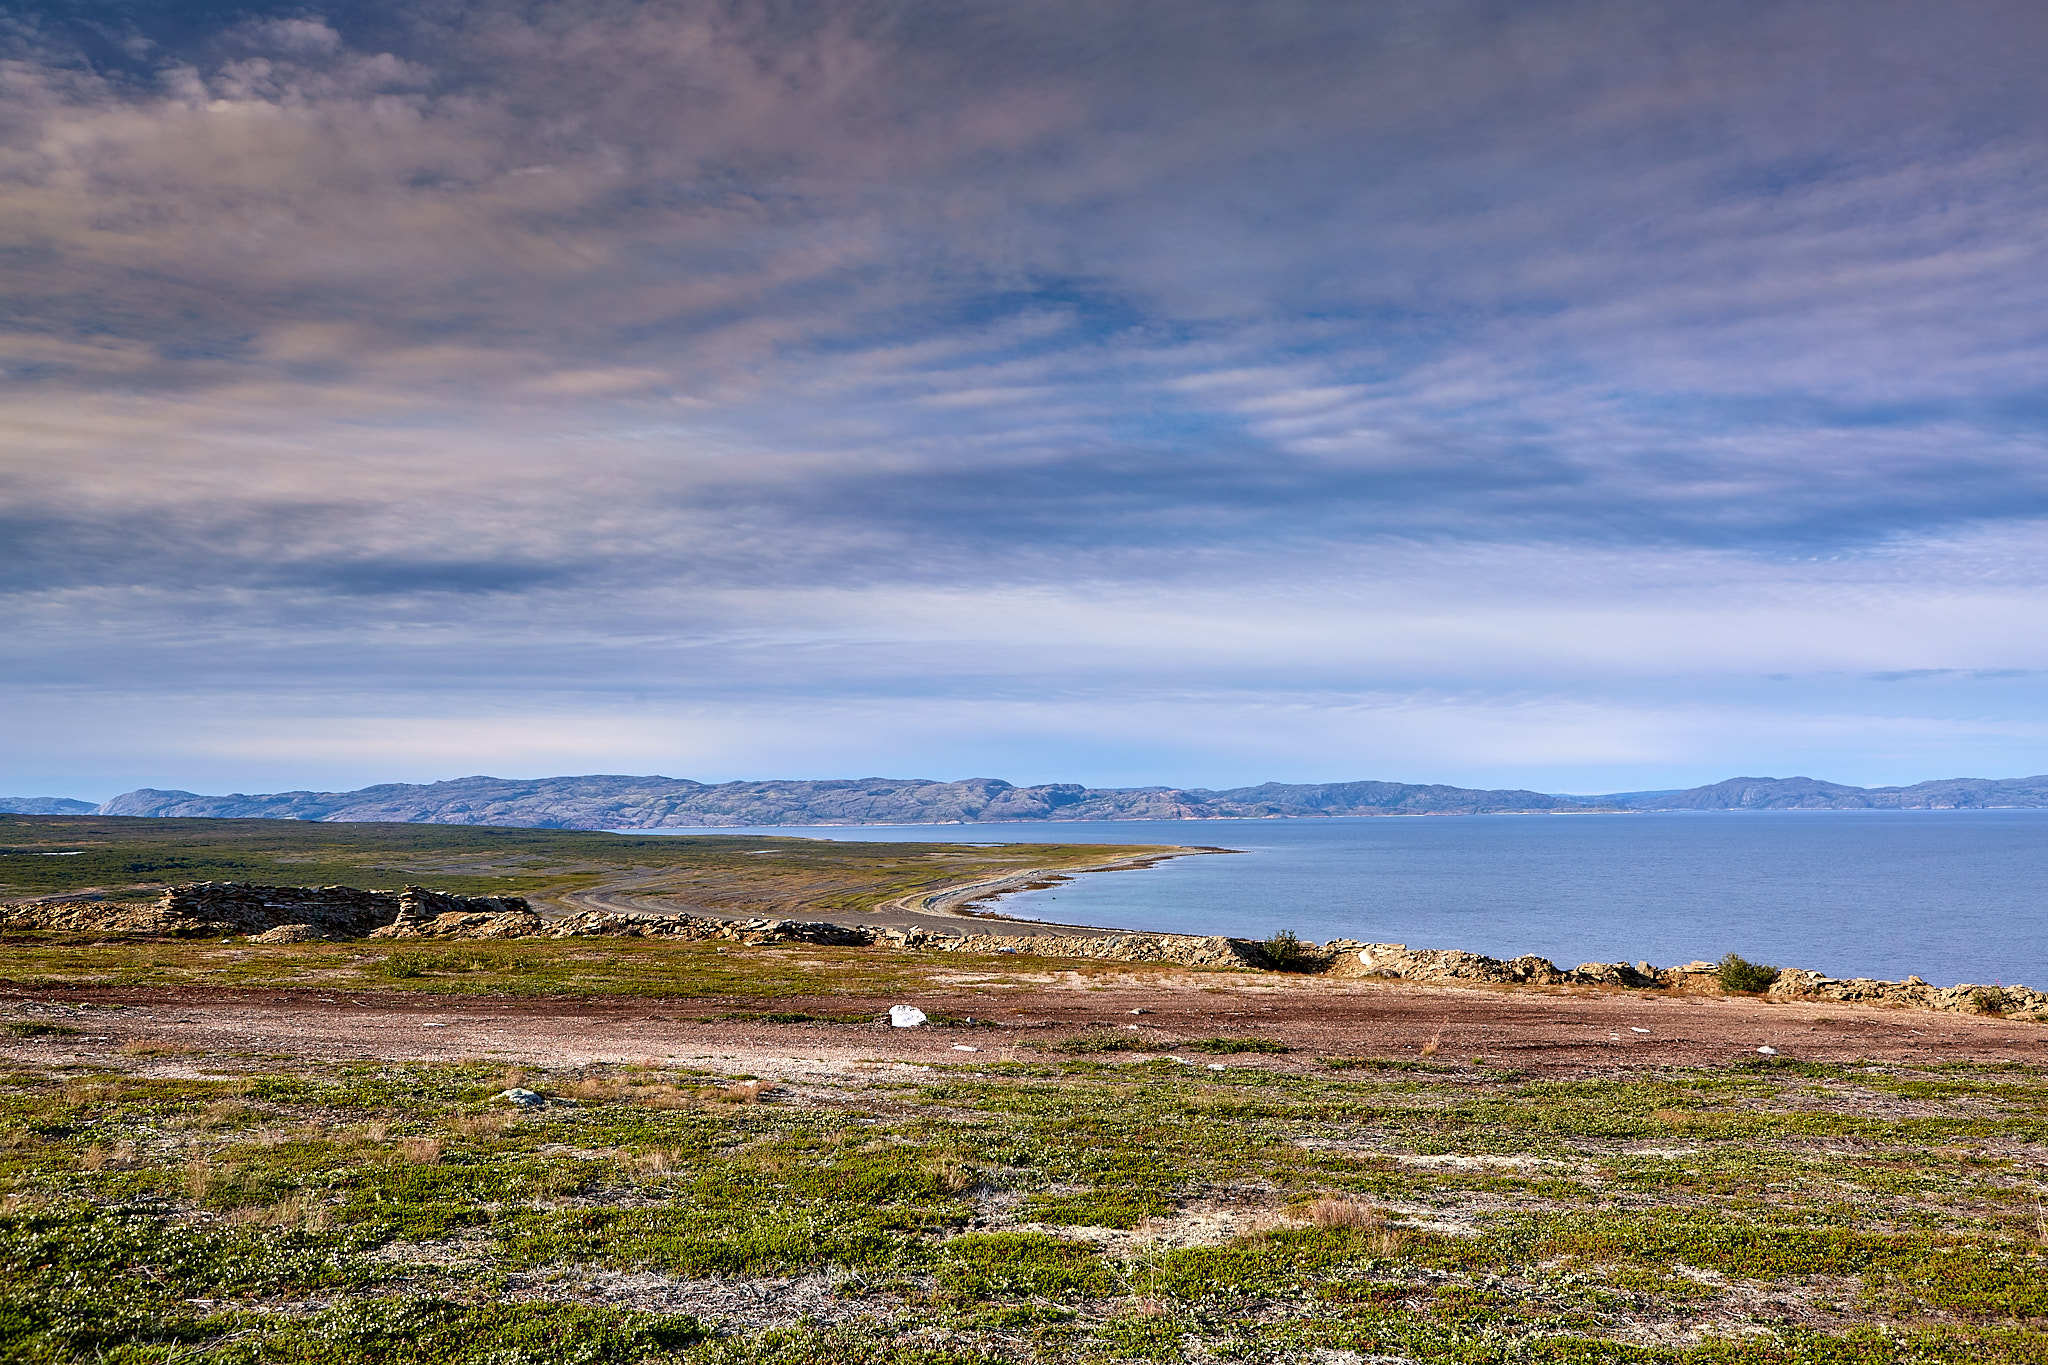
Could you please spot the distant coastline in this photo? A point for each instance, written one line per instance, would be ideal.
(614, 802)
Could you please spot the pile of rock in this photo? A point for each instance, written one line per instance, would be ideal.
(1399, 961)
(1184, 950)
(2018, 1002)
(271, 914)
(82, 916)
(1181, 949)
(291, 914)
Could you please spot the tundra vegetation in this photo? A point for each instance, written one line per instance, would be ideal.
(1100, 1195)
(1104, 1193)
(134, 859)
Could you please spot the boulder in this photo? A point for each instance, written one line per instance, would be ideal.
(288, 933)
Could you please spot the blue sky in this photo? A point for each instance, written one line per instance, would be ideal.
(1569, 395)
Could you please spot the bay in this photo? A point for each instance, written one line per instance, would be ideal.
(1948, 895)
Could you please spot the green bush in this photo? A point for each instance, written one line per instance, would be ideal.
(1744, 977)
(1283, 952)
(1990, 1000)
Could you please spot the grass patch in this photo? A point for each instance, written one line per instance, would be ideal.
(1099, 1040)
(1230, 1046)
(35, 1028)
(1047, 1211)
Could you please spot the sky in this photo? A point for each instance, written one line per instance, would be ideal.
(1578, 396)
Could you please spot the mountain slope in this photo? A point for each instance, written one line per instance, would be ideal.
(1806, 793)
(44, 805)
(611, 801)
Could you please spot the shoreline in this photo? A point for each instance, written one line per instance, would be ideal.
(957, 902)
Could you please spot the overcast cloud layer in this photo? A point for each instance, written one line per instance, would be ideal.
(1580, 396)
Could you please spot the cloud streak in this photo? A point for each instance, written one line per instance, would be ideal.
(934, 356)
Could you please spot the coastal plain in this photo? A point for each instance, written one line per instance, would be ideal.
(639, 1149)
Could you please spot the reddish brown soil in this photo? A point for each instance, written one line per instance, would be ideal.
(1544, 1032)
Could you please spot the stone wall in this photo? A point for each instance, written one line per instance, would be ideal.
(1400, 962)
(288, 912)
(295, 913)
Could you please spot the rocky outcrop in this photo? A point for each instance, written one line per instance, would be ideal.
(84, 917)
(1399, 961)
(2019, 1002)
(1185, 950)
(277, 914)
(1181, 949)
(293, 914)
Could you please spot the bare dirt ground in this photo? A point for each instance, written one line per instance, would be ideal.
(1537, 1031)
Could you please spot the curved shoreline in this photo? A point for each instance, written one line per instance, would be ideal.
(954, 902)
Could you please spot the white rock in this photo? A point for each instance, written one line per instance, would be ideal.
(906, 1016)
(1215, 1066)
(524, 1099)
(1633, 1029)
(962, 1047)
(1768, 1050)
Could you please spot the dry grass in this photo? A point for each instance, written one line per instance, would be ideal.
(1341, 1213)
(119, 1157)
(296, 1211)
(487, 1124)
(1434, 1045)
(1336, 1211)
(420, 1151)
(157, 1047)
(201, 1175)
(656, 1161)
(741, 1092)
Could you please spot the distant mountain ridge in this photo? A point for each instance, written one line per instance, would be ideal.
(610, 801)
(45, 805)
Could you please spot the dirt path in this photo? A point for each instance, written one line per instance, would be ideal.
(1534, 1030)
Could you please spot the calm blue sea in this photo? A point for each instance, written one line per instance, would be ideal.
(1950, 895)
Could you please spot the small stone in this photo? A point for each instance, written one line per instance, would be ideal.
(522, 1098)
(906, 1016)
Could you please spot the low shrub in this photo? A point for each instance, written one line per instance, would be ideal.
(1283, 952)
(1990, 1000)
(1740, 975)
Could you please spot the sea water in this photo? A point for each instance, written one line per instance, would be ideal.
(1948, 895)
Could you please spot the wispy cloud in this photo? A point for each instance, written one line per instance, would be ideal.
(920, 357)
